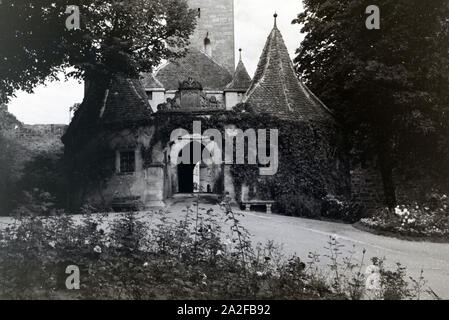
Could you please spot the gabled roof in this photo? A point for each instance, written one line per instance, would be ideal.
(121, 100)
(276, 89)
(241, 81)
(196, 65)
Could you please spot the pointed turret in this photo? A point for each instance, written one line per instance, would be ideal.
(276, 89)
(241, 80)
(235, 90)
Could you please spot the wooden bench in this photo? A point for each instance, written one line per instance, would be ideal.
(268, 204)
(126, 204)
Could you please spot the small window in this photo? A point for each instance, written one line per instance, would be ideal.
(150, 95)
(127, 162)
(208, 45)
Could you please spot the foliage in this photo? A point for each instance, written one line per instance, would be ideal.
(41, 181)
(125, 37)
(341, 209)
(429, 219)
(36, 202)
(299, 206)
(388, 86)
(128, 257)
(312, 161)
(44, 172)
(6, 176)
(307, 170)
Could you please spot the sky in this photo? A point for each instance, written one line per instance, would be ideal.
(50, 104)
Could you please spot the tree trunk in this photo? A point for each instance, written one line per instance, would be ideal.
(386, 170)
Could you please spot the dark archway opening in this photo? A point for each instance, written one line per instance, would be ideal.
(185, 178)
(186, 170)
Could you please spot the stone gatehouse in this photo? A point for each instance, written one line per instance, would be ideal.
(116, 153)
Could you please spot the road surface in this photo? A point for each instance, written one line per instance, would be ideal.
(302, 236)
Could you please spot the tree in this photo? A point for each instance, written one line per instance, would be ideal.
(388, 86)
(115, 37)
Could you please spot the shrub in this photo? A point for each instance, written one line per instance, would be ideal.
(429, 219)
(340, 209)
(36, 202)
(298, 206)
(190, 258)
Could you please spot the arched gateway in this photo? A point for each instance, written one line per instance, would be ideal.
(190, 173)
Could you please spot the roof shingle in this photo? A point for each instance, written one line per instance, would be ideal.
(196, 65)
(150, 82)
(121, 100)
(241, 81)
(276, 89)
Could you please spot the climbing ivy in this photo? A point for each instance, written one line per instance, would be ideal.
(312, 160)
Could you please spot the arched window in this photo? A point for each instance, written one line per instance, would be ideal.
(207, 46)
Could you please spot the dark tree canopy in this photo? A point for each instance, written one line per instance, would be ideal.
(126, 37)
(390, 87)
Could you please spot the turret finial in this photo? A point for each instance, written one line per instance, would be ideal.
(275, 19)
(240, 50)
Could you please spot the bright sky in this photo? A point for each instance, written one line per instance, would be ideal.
(253, 22)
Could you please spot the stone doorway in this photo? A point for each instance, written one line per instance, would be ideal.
(189, 173)
(193, 176)
(185, 178)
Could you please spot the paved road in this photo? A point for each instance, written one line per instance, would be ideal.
(301, 236)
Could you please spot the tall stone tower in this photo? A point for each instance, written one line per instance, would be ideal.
(214, 33)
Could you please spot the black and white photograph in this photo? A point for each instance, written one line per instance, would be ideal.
(224, 150)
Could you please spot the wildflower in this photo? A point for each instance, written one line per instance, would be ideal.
(373, 282)
(398, 211)
(219, 253)
(97, 249)
(259, 273)
(372, 269)
(52, 244)
(146, 264)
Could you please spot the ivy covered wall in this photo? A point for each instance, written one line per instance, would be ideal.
(312, 159)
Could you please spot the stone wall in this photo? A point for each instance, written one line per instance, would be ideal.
(216, 21)
(411, 185)
(367, 187)
(29, 141)
(23, 147)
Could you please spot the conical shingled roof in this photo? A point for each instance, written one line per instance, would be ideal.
(241, 80)
(122, 100)
(276, 89)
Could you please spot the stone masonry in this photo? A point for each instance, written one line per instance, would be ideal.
(216, 22)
